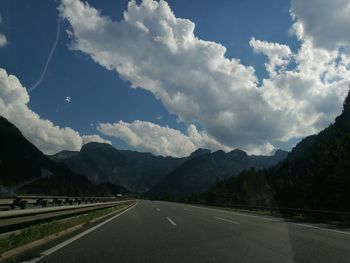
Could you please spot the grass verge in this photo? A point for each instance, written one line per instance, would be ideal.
(40, 231)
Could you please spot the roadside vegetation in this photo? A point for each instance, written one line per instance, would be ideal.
(43, 230)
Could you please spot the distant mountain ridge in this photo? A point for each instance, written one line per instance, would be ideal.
(101, 162)
(101, 168)
(200, 172)
(144, 172)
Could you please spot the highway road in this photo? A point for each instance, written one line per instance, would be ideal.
(153, 232)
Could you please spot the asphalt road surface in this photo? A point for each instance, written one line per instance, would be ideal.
(153, 232)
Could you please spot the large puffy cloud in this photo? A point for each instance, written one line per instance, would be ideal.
(154, 50)
(310, 95)
(42, 133)
(150, 137)
(159, 140)
(326, 23)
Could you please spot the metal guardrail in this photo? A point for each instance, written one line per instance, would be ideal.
(19, 219)
(23, 201)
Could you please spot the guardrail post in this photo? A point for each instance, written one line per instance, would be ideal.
(59, 202)
(16, 202)
(23, 204)
(68, 201)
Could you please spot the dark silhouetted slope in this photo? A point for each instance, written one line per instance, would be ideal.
(25, 169)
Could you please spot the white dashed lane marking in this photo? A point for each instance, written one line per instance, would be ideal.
(171, 221)
(230, 221)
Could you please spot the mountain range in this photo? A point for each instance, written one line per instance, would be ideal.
(101, 162)
(101, 169)
(199, 173)
(157, 176)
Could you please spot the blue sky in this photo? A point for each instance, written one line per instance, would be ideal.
(101, 96)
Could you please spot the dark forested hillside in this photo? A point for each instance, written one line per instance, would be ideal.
(25, 169)
(316, 174)
(19, 159)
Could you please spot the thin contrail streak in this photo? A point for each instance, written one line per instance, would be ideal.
(48, 58)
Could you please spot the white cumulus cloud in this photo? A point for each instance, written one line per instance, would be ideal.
(325, 22)
(279, 55)
(150, 137)
(159, 140)
(42, 133)
(154, 50)
(94, 138)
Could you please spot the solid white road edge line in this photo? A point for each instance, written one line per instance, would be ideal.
(270, 219)
(281, 220)
(72, 239)
(223, 219)
(233, 213)
(171, 221)
(321, 228)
